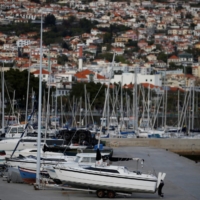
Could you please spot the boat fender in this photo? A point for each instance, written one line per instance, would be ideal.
(160, 188)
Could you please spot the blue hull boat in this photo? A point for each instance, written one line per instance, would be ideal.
(29, 175)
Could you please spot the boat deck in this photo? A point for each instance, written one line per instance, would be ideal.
(181, 182)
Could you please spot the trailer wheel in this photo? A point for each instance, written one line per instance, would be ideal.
(111, 194)
(100, 193)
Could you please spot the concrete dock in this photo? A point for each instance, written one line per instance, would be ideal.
(185, 147)
(182, 181)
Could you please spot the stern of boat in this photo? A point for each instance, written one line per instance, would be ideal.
(160, 183)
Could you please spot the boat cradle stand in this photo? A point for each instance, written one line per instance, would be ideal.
(99, 192)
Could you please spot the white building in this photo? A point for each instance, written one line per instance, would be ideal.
(23, 42)
(127, 78)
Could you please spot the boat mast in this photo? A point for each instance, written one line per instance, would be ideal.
(193, 105)
(122, 109)
(189, 110)
(48, 97)
(13, 105)
(85, 90)
(148, 104)
(135, 98)
(26, 115)
(80, 120)
(61, 110)
(39, 113)
(178, 108)
(56, 106)
(2, 80)
(166, 89)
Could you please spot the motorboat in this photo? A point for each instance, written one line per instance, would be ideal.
(103, 178)
(27, 165)
(83, 159)
(16, 131)
(27, 142)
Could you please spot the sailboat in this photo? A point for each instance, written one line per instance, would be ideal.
(108, 179)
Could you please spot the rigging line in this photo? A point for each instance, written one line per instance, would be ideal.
(75, 131)
(113, 103)
(158, 107)
(23, 133)
(93, 100)
(186, 106)
(183, 109)
(8, 95)
(74, 119)
(96, 95)
(90, 109)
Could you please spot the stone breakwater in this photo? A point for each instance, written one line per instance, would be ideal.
(179, 146)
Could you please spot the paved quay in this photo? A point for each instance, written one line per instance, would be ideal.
(182, 181)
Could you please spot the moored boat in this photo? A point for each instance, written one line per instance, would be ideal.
(29, 175)
(102, 177)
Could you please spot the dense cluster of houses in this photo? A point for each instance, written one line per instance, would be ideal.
(173, 26)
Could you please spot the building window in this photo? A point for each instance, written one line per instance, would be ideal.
(146, 80)
(151, 80)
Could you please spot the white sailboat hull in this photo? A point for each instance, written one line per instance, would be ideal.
(100, 180)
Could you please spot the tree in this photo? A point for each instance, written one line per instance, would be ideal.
(16, 80)
(107, 38)
(162, 56)
(50, 20)
(172, 66)
(107, 56)
(131, 43)
(62, 59)
(93, 89)
(120, 58)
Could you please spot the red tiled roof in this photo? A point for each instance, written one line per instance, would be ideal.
(38, 72)
(173, 57)
(83, 74)
(149, 85)
(100, 77)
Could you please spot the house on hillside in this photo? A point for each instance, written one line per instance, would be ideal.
(45, 74)
(90, 76)
(185, 58)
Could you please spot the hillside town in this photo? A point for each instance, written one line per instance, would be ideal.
(161, 42)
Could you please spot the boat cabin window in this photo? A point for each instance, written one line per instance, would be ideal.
(54, 159)
(20, 130)
(28, 140)
(102, 170)
(8, 130)
(13, 130)
(54, 142)
(33, 157)
(77, 159)
(85, 159)
(126, 170)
